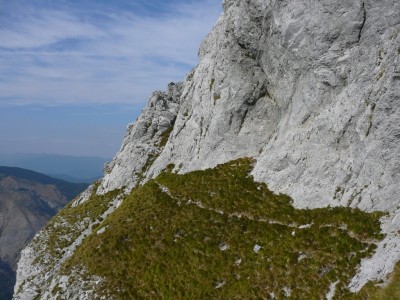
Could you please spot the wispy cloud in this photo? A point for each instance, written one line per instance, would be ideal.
(45, 28)
(89, 53)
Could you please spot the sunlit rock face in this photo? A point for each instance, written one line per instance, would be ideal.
(309, 89)
(143, 141)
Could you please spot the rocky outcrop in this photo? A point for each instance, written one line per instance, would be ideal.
(310, 89)
(143, 141)
(317, 105)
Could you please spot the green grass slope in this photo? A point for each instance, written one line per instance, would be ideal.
(217, 234)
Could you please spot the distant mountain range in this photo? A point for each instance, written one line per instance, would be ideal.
(70, 168)
(27, 201)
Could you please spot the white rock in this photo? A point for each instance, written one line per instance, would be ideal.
(142, 141)
(223, 246)
(220, 284)
(256, 248)
(332, 290)
(287, 291)
(101, 230)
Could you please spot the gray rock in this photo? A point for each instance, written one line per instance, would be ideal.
(142, 142)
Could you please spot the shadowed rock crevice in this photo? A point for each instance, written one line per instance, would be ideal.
(364, 19)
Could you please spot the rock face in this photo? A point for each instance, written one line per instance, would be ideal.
(144, 141)
(310, 89)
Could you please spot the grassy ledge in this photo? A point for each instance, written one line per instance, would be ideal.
(68, 224)
(217, 234)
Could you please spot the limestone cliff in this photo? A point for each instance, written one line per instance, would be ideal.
(309, 89)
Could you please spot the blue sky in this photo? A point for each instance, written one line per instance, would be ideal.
(74, 73)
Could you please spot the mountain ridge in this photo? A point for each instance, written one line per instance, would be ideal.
(80, 167)
(316, 107)
(27, 201)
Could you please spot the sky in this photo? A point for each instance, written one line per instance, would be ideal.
(74, 73)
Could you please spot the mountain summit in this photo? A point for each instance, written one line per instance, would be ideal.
(285, 140)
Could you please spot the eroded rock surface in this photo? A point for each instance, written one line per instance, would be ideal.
(143, 141)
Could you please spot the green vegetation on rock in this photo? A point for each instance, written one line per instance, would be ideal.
(66, 227)
(217, 234)
(165, 136)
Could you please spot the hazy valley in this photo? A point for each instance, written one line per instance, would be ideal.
(27, 201)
